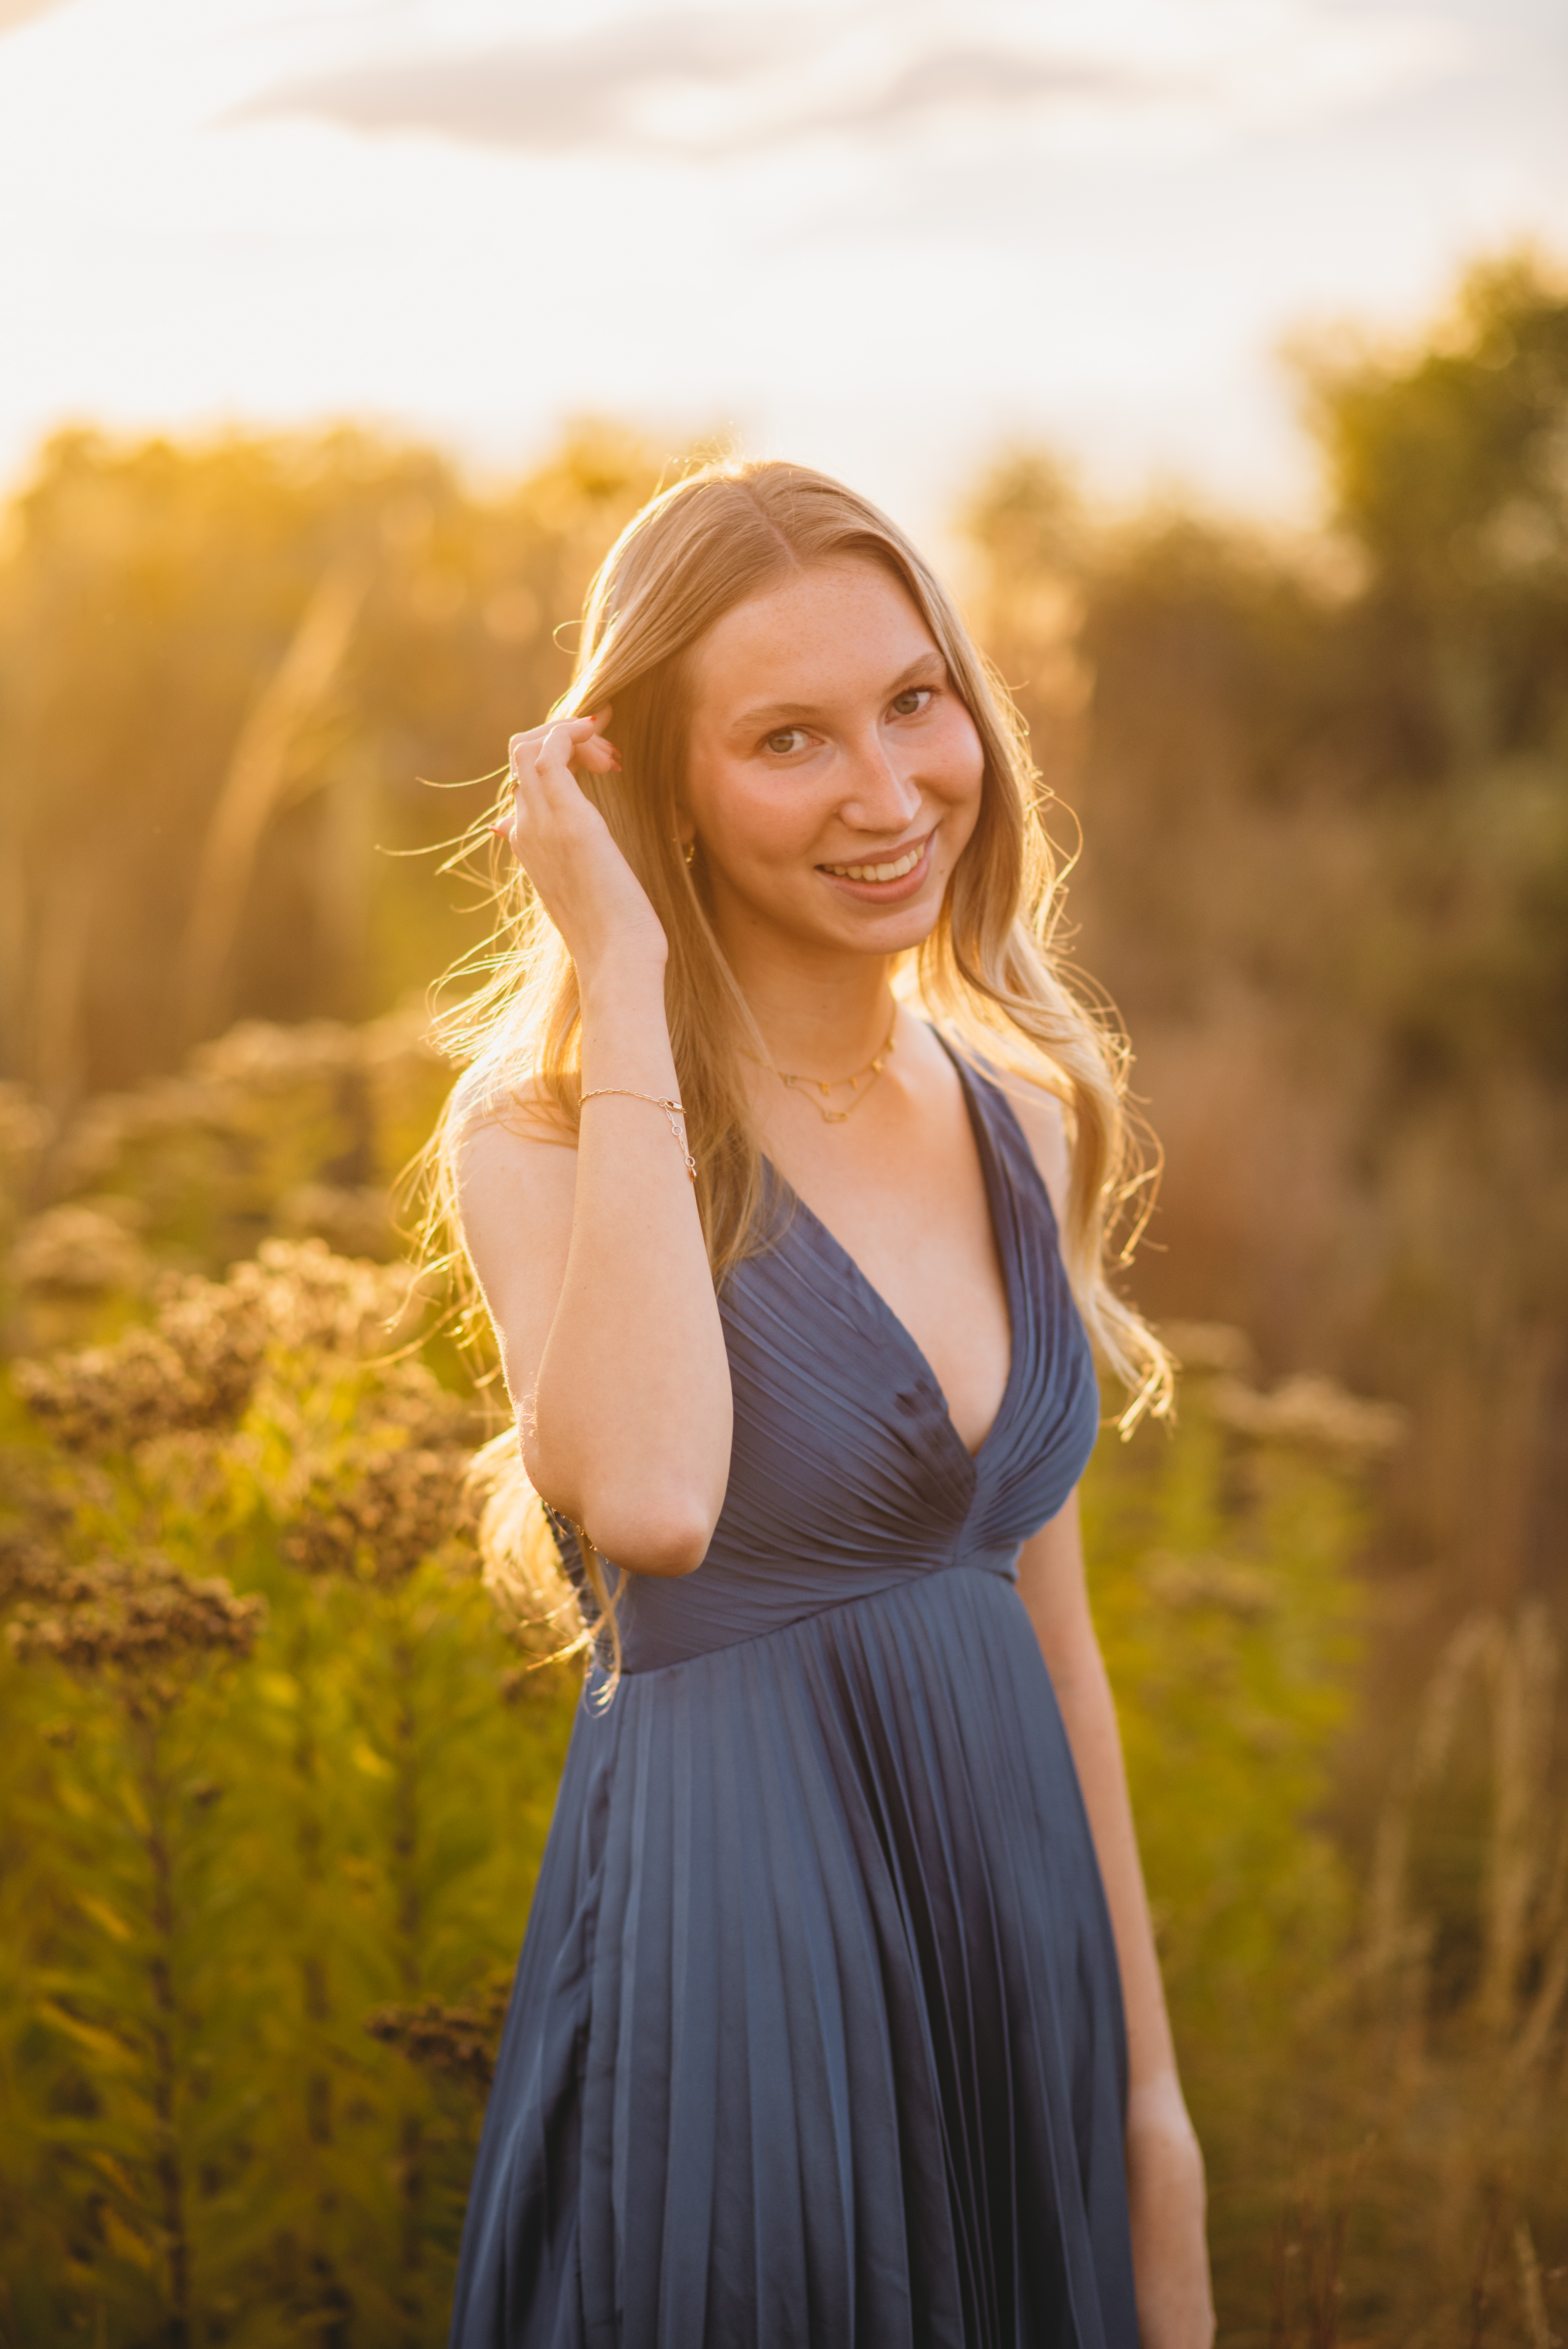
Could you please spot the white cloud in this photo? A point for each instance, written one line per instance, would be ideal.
(724, 82)
(878, 233)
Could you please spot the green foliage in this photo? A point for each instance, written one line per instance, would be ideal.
(1221, 1570)
(1374, 2067)
(249, 1816)
(1230, 1620)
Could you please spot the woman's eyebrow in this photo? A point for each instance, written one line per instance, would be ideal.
(779, 713)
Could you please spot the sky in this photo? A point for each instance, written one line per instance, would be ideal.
(883, 236)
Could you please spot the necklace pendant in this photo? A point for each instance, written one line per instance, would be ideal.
(859, 1083)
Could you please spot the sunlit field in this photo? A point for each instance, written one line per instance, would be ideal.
(275, 1773)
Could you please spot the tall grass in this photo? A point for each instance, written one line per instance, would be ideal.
(274, 1785)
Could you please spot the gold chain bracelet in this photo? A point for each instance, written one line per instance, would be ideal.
(672, 1110)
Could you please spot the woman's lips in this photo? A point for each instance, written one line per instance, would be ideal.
(905, 868)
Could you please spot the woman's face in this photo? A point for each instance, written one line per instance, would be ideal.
(834, 773)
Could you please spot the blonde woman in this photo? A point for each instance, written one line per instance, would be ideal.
(838, 2018)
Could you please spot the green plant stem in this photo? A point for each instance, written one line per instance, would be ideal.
(144, 1726)
(315, 1994)
(409, 1926)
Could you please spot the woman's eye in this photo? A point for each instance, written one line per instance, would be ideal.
(911, 703)
(788, 739)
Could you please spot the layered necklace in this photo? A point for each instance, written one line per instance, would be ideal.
(859, 1084)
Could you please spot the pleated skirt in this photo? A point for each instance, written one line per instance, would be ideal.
(817, 2032)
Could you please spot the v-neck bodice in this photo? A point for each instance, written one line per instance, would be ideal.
(898, 1328)
(847, 1475)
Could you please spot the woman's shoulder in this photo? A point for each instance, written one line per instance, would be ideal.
(493, 1113)
(514, 1170)
(1045, 1125)
(508, 1142)
(1040, 1116)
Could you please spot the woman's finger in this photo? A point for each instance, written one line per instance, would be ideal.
(549, 726)
(586, 743)
(570, 739)
(522, 750)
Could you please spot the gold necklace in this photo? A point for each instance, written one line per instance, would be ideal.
(871, 1071)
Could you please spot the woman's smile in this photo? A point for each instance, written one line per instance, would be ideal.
(889, 876)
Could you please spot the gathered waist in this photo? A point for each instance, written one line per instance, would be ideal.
(666, 1620)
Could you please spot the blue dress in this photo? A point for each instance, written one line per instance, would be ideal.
(817, 2034)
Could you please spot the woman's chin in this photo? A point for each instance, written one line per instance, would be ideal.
(889, 929)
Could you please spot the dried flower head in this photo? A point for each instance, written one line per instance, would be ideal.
(458, 2042)
(381, 1514)
(30, 1566)
(109, 1398)
(186, 1468)
(136, 1612)
(197, 1364)
(1311, 1411)
(87, 1248)
(378, 1086)
(304, 1296)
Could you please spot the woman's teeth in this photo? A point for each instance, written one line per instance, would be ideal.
(880, 871)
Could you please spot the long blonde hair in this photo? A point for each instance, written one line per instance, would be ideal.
(987, 974)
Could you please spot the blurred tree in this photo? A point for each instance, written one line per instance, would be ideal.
(1447, 471)
(223, 669)
(1324, 789)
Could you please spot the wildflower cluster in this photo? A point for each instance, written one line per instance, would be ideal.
(87, 1248)
(196, 1364)
(1308, 1409)
(29, 1565)
(135, 1611)
(456, 2043)
(300, 1129)
(381, 1514)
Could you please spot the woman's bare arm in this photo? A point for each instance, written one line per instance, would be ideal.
(592, 1261)
(1165, 2166)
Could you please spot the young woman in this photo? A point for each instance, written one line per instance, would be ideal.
(785, 1162)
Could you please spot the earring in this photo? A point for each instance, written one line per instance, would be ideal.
(687, 848)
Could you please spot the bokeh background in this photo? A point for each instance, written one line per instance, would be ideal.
(1220, 351)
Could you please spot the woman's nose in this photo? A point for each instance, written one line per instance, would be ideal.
(879, 799)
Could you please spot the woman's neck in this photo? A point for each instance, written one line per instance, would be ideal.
(823, 1023)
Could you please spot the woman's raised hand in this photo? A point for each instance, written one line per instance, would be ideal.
(566, 848)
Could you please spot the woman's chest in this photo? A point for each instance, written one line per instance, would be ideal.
(917, 1226)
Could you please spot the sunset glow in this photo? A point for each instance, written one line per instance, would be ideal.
(881, 237)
